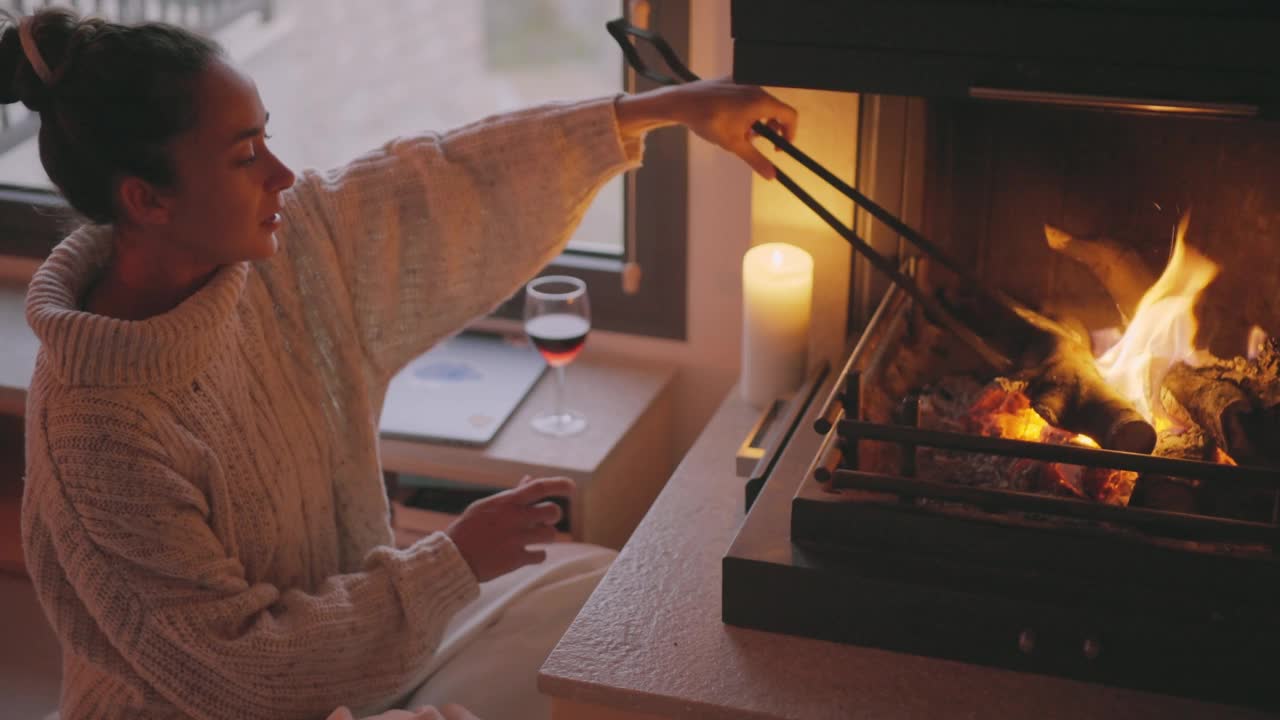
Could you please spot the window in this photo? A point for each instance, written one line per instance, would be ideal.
(343, 76)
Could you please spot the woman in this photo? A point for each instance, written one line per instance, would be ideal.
(204, 517)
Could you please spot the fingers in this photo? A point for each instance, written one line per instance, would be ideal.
(786, 116)
(539, 535)
(342, 713)
(780, 129)
(541, 489)
(452, 711)
(758, 162)
(781, 117)
(533, 557)
(544, 513)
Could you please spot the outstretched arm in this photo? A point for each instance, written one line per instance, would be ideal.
(430, 231)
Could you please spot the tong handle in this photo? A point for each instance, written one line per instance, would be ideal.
(622, 31)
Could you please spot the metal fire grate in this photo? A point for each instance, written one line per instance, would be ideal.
(842, 422)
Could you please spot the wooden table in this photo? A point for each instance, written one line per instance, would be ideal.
(650, 643)
(619, 462)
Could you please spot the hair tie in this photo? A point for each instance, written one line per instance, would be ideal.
(32, 52)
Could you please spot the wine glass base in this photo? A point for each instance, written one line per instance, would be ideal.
(559, 424)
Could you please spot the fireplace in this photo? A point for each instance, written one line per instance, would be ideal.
(1108, 510)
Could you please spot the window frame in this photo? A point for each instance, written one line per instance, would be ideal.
(34, 220)
(656, 213)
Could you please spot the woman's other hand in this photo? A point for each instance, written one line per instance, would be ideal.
(717, 111)
(493, 534)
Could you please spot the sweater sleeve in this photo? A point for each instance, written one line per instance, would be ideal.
(143, 550)
(430, 231)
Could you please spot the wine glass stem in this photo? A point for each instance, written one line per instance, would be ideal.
(560, 394)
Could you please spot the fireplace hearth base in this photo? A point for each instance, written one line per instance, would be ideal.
(911, 603)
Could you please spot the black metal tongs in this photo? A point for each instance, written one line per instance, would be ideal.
(623, 31)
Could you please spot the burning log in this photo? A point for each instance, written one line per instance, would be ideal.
(1067, 390)
(1064, 384)
(1119, 268)
(1219, 406)
(1236, 402)
(1001, 408)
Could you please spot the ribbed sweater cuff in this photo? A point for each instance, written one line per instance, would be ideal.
(433, 579)
(630, 146)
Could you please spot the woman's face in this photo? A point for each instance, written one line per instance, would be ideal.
(226, 202)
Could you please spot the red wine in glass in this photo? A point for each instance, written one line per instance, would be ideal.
(558, 336)
(557, 318)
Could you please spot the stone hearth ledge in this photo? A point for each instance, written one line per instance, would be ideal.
(650, 643)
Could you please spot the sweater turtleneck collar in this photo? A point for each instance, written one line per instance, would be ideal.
(89, 349)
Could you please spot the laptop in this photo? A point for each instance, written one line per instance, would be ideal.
(462, 391)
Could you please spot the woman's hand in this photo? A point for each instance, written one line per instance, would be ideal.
(492, 534)
(717, 111)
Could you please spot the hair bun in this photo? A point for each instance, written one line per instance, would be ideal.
(11, 60)
(18, 78)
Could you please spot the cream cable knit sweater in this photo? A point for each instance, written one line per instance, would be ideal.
(204, 516)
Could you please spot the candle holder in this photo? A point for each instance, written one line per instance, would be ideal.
(777, 303)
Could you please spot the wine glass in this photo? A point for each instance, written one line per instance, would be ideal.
(557, 317)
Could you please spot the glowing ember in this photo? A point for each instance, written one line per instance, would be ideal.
(1001, 413)
(1162, 331)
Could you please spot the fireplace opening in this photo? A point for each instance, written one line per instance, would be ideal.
(1149, 239)
(1144, 240)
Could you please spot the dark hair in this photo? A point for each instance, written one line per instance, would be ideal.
(117, 96)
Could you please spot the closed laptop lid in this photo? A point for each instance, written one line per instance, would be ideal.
(461, 391)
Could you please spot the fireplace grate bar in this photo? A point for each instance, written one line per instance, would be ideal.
(1160, 521)
(1242, 476)
(834, 404)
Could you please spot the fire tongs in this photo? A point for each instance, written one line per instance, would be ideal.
(622, 31)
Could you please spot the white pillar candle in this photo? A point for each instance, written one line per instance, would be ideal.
(777, 300)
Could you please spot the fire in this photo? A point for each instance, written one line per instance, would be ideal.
(1221, 457)
(1001, 413)
(1162, 332)
(1009, 415)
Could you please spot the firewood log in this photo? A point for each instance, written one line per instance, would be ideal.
(1120, 269)
(1236, 401)
(1063, 381)
(1219, 406)
(1067, 390)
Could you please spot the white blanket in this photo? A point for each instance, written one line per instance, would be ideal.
(493, 648)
